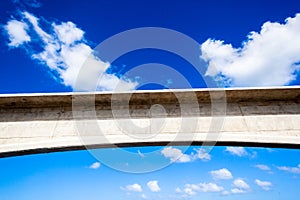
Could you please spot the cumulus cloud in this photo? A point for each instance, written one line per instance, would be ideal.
(221, 174)
(65, 51)
(95, 165)
(202, 154)
(192, 189)
(269, 57)
(294, 170)
(189, 191)
(134, 188)
(210, 187)
(241, 184)
(265, 185)
(153, 186)
(238, 151)
(17, 33)
(68, 33)
(240, 187)
(263, 167)
(176, 155)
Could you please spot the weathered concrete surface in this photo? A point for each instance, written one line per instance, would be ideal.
(31, 123)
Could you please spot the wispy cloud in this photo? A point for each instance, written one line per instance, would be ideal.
(294, 170)
(153, 186)
(178, 190)
(29, 3)
(270, 150)
(176, 155)
(221, 174)
(238, 151)
(65, 51)
(193, 189)
(202, 154)
(265, 185)
(263, 167)
(190, 189)
(266, 58)
(238, 191)
(133, 188)
(95, 165)
(141, 154)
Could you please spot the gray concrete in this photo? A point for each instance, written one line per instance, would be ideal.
(31, 123)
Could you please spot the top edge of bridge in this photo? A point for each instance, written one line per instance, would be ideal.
(274, 88)
(147, 97)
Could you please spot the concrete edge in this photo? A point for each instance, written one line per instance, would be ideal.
(145, 96)
(147, 144)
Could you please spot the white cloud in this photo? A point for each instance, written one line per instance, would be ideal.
(192, 186)
(294, 170)
(34, 21)
(112, 82)
(153, 186)
(65, 51)
(141, 154)
(178, 190)
(238, 151)
(263, 184)
(68, 33)
(225, 192)
(17, 32)
(270, 57)
(189, 191)
(144, 196)
(263, 167)
(95, 165)
(221, 174)
(270, 150)
(176, 155)
(192, 189)
(210, 187)
(240, 187)
(241, 184)
(30, 3)
(237, 191)
(134, 188)
(202, 154)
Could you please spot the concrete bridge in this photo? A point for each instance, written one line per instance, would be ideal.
(34, 123)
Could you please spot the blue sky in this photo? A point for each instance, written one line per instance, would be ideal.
(240, 43)
(223, 173)
(44, 45)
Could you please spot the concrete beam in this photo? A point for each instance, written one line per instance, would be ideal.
(33, 123)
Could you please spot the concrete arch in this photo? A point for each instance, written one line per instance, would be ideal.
(39, 123)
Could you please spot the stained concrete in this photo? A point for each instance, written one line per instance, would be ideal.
(31, 123)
